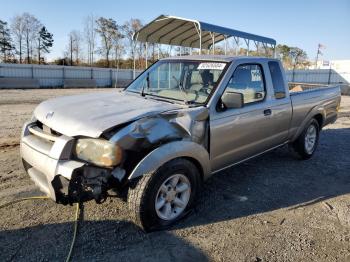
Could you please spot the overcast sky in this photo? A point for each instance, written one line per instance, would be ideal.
(302, 23)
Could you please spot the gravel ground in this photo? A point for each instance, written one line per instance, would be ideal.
(271, 208)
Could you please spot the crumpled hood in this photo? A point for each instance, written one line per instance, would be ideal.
(91, 114)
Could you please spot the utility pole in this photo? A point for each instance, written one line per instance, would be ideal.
(71, 50)
(319, 47)
(318, 52)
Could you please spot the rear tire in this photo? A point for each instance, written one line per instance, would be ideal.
(146, 198)
(305, 145)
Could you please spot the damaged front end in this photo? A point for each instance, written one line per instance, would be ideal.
(87, 183)
(137, 139)
(96, 166)
(189, 124)
(143, 136)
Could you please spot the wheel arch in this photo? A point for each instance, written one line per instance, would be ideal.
(318, 113)
(197, 164)
(189, 150)
(320, 119)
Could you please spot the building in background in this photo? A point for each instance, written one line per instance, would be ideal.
(338, 71)
(339, 65)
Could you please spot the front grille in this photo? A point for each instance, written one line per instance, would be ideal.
(43, 132)
(47, 129)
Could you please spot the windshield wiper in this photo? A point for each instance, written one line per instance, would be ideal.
(159, 98)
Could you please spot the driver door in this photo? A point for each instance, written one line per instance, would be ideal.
(239, 133)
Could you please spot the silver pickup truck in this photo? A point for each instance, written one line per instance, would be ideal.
(182, 120)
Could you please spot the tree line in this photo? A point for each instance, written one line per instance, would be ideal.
(105, 43)
(25, 40)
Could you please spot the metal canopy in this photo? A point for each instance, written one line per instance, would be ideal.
(172, 30)
(183, 32)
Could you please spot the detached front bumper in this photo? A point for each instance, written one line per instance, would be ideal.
(46, 157)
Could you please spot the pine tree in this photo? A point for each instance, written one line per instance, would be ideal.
(5, 41)
(45, 42)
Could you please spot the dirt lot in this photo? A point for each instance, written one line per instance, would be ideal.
(272, 208)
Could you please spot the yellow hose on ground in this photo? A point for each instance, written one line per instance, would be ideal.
(76, 219)
(76, 222)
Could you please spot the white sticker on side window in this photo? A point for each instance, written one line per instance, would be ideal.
(211, 66)
(256, 76)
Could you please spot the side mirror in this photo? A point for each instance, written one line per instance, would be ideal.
(232, 99)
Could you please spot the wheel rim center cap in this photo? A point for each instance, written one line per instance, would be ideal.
(170, 196)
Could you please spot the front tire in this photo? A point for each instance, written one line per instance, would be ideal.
(306, 144)
(160, 199)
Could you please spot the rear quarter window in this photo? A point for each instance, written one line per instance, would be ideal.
(277, 80)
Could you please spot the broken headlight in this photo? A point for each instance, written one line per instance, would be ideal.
(99, 152)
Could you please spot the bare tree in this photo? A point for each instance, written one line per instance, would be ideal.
(31, 27)
(70, 48)
(77, 46)
(74, 46)
(17, 30)
(90, 36)
(130, 28)
(107, 29)
(119, 50)
(117, 46)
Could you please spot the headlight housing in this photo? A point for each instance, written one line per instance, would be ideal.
(98, 151)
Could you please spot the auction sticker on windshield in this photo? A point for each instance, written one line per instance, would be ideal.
(211, 66)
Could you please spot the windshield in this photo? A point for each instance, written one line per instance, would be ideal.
(182, 80)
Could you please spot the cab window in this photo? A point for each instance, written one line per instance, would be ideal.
(248, 79)
(277, 80)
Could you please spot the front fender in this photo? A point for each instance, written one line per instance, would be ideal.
(155, 159)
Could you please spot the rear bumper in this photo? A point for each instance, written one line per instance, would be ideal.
(45, 160)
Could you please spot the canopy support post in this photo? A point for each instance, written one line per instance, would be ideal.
(225, 45)
(169, 65)
(200, 42)
(134, 64)
(213, 42)
(158, 67)
(265, 47)
(257, 47)
(146, 51)
(237, 44)
(199, 32)
(247, 42)
(134, 56)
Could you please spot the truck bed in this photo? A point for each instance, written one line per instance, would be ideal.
(323, 99)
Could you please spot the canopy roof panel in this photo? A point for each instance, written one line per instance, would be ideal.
(172, 30)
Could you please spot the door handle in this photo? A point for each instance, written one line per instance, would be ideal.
(267, 112)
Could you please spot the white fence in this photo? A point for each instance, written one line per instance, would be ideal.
(54, 76)
(319, 76)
